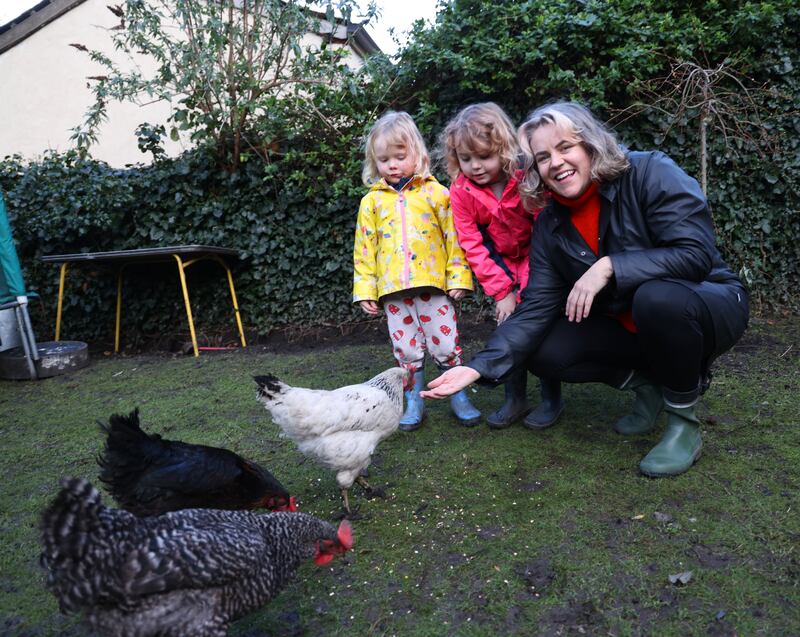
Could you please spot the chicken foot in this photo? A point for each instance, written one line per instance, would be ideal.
(372, 492)
(347, 512)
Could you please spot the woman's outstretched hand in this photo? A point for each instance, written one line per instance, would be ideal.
(581, 297)
(453, 380)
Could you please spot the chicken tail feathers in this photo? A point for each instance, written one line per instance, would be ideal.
(126, 450)
(66, 522)
(74, 554)
(123, 430)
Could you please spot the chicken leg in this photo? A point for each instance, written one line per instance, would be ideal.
(372, 492)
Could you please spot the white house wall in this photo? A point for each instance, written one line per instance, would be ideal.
(44, 92)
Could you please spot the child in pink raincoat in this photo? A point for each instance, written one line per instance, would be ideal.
(494, 229)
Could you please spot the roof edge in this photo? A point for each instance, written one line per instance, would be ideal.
(35, 18)
(39, 16)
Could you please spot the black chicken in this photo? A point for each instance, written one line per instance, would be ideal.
(189, 572)
(148, 475)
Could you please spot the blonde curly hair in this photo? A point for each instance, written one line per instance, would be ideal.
(481, 128)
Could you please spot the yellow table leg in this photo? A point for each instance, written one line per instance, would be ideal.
(60, 300)
(119, 311)
(233, 298)
(236, 308)
(186, 301)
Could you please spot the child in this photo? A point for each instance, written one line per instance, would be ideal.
(406, 256)
(494, 230)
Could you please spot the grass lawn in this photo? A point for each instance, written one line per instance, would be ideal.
(482, 533)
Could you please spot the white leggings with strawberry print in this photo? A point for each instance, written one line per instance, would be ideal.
(421, 320)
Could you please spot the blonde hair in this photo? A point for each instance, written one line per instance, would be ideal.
(608, 159)
(396, 128)
(481, 127)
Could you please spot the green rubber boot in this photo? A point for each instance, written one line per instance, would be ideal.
(679, 447)
(646, 408)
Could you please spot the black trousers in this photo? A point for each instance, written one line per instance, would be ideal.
(673, 344)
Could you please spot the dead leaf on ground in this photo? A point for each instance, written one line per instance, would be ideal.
(680, 578)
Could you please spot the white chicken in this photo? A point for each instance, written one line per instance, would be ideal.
(339, 428)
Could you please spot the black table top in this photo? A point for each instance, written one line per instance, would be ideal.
(142, 254)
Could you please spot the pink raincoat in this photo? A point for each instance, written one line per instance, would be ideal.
(501, 263)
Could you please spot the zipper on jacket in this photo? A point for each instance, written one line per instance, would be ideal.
(401, 209)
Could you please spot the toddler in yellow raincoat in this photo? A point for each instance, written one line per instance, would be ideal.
(407, 260)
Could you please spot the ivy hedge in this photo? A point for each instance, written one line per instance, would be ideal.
(292, 217)
(295, 241)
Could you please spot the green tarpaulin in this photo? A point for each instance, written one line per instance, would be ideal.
(11, 283)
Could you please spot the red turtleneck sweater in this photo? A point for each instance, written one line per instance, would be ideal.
(584, 212)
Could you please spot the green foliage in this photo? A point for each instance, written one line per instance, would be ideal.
(223, 66)
(290, 206)
(522, 54)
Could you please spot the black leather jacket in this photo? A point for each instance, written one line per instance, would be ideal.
(654, 224)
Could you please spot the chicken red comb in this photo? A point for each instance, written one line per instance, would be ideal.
(292, 504)
(328, 548)
(345, 535)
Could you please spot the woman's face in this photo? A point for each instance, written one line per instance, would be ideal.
(561, 159)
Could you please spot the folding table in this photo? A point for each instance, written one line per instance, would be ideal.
(183, 256)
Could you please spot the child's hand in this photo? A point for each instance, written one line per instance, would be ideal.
(456, 294)
(504, 307)
(370, 307)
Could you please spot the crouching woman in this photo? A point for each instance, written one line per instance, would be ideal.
(628, 289)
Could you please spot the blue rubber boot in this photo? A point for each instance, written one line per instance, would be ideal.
(415, 405)
(465, 412)
(548, 411)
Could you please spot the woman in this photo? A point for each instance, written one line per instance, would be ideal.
(628, 287)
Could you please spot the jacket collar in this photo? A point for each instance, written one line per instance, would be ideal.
(415, 181)
(608, 194)
(609, 190)
(509, 191)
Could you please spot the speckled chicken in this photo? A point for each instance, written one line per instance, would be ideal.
(339, 428)
(189, 572)
(148, 475)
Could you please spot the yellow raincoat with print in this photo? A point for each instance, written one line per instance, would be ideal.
(407, 240)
